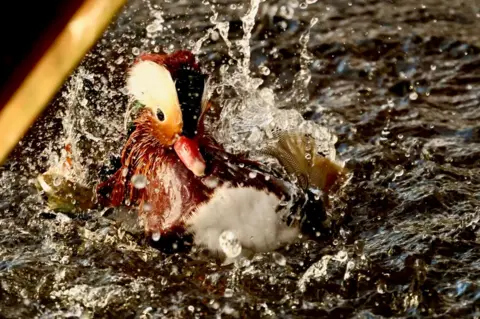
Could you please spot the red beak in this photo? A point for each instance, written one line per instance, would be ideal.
(189, 153)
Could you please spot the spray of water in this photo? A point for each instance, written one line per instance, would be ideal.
(251, 113)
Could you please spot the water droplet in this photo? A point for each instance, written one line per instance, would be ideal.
(252, 175)
(191, 308)
(413, 96)
(341, 256)
(174, 270)
(390, 103)
(264, 70)
(283, 203)
(279, 259)
(139, 181)
(210, 182)
(156, 236)
(228, 293)
(136, 51)
(286, 12)
(399, 171)
(303, 5)
(124, 172)
(348, 270)
(433, 67)
(57, 181)
(214, 36)
(381, 287)
(230, 244)
(147, 207)
(155, 26)
(245, 262)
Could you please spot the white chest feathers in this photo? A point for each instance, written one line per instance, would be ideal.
(247, 213)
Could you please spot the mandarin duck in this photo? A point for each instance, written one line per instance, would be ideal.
(184, 182)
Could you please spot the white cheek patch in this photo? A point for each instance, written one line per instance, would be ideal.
(248, 213)
(152, 85)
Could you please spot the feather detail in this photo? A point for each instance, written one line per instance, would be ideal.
(112, 191)
(171, 189)
(248, 213)
(151, 84)
(296, 153)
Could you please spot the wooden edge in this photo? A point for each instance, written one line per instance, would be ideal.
(40, 85)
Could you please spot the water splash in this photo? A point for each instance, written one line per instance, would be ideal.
(156, 26)
(221, 27)
(302, 79)
(319, 269)
(250, 122)
(248, 22)
(250, 114)
(86, 123)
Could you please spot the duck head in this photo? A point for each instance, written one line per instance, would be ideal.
(170, 86)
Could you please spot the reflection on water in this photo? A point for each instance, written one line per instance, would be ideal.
(397, 84)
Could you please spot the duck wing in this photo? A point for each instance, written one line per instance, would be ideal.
(297, 154)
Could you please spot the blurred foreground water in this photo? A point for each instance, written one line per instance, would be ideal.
(397, 82)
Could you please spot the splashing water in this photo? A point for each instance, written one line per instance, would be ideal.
(250, 117)
(248, 21)
(303, 77)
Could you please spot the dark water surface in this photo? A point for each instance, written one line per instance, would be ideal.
(397, 81)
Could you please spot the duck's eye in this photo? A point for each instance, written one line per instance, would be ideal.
(160, 115)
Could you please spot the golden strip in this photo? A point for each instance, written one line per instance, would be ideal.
(40, 85)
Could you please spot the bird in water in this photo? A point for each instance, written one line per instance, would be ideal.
(192, 185)
(185, 184)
